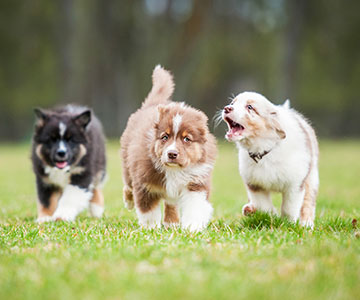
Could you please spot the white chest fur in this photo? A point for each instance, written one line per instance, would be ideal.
(59, 177)
(178, 179)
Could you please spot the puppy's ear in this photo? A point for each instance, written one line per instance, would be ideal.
(41, 116)
(163, 110)
(83, 119)
(276, 125)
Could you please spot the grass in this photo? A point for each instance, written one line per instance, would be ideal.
(258, 257)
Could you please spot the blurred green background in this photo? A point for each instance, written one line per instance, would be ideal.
(101, 53)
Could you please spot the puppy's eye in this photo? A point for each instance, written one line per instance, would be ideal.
(165, 137)
(249, 107)
(187, 140)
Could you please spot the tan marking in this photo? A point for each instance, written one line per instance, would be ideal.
(38, 152)
(53, 202)
(97, 198)
(171, 215)
(168, 131)
(81, 154)
(184, 134)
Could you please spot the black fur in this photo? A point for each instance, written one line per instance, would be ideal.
(83, 131)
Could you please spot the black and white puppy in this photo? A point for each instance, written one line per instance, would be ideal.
(68, 156)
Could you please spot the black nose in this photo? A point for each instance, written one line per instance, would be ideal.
(61, 153)
(173, 154)
(228, 109)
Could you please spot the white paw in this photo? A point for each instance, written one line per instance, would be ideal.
(194, 226)
(307, 223)
(150, 225)
(96, 210)
(44, 219)
(64, 214)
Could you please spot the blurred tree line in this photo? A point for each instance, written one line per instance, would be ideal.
(101, 54)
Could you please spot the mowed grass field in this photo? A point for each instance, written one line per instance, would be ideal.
(236, 257)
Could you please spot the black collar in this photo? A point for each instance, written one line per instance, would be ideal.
(258, 156)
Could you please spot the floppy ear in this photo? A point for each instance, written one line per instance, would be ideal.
(162, 111)
(276, 125)
(41, 116)
(83, 119)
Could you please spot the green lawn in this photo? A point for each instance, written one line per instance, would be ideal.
(257, 257)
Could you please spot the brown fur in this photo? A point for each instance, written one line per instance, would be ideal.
(98, 197)
(171, 215)
(142, 147)
(53, 202)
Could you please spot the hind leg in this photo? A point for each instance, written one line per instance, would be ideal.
(307, 212)
(291, 204)
(96, 205)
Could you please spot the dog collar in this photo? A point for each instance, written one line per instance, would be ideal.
(258, 156)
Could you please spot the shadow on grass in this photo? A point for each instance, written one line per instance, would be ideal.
(262, 221)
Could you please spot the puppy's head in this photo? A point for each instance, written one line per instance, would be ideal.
(60, 137)
(250, 116)
(180, 136)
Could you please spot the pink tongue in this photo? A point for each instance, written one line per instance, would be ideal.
(236, 131)
(61, 165)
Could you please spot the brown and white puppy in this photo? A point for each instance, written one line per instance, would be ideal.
(278, 152)
(68, 156)
(168, 154)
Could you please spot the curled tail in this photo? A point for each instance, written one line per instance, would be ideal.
(162, 89)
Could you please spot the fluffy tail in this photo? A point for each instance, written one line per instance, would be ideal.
(163, 87)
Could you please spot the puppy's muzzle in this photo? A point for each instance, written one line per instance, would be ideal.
(228, 109)
(173, 154)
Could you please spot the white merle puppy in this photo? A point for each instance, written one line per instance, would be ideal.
(278, 152)
(68, 157)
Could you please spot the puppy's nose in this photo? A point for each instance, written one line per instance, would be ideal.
(61, 153)
(228, 109)
(173, 154)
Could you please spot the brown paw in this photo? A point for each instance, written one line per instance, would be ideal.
(248, 209)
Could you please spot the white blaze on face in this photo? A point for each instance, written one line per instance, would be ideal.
(62, 129)
(62, 146)
(176, 124)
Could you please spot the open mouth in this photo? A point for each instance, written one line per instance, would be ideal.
(235, 129)
(61, 164)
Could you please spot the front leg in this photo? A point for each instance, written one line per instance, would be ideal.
(196, 210)
(259, 199)
(48, 196)
(147, 206)
(72, 202)
(291, 204)
(171, 215)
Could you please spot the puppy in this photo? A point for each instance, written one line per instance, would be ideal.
(68, 157)
(168, 154)
(278, 152)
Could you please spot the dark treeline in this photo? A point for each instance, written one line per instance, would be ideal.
(101, 53)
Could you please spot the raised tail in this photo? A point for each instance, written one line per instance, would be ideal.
(162, 89)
